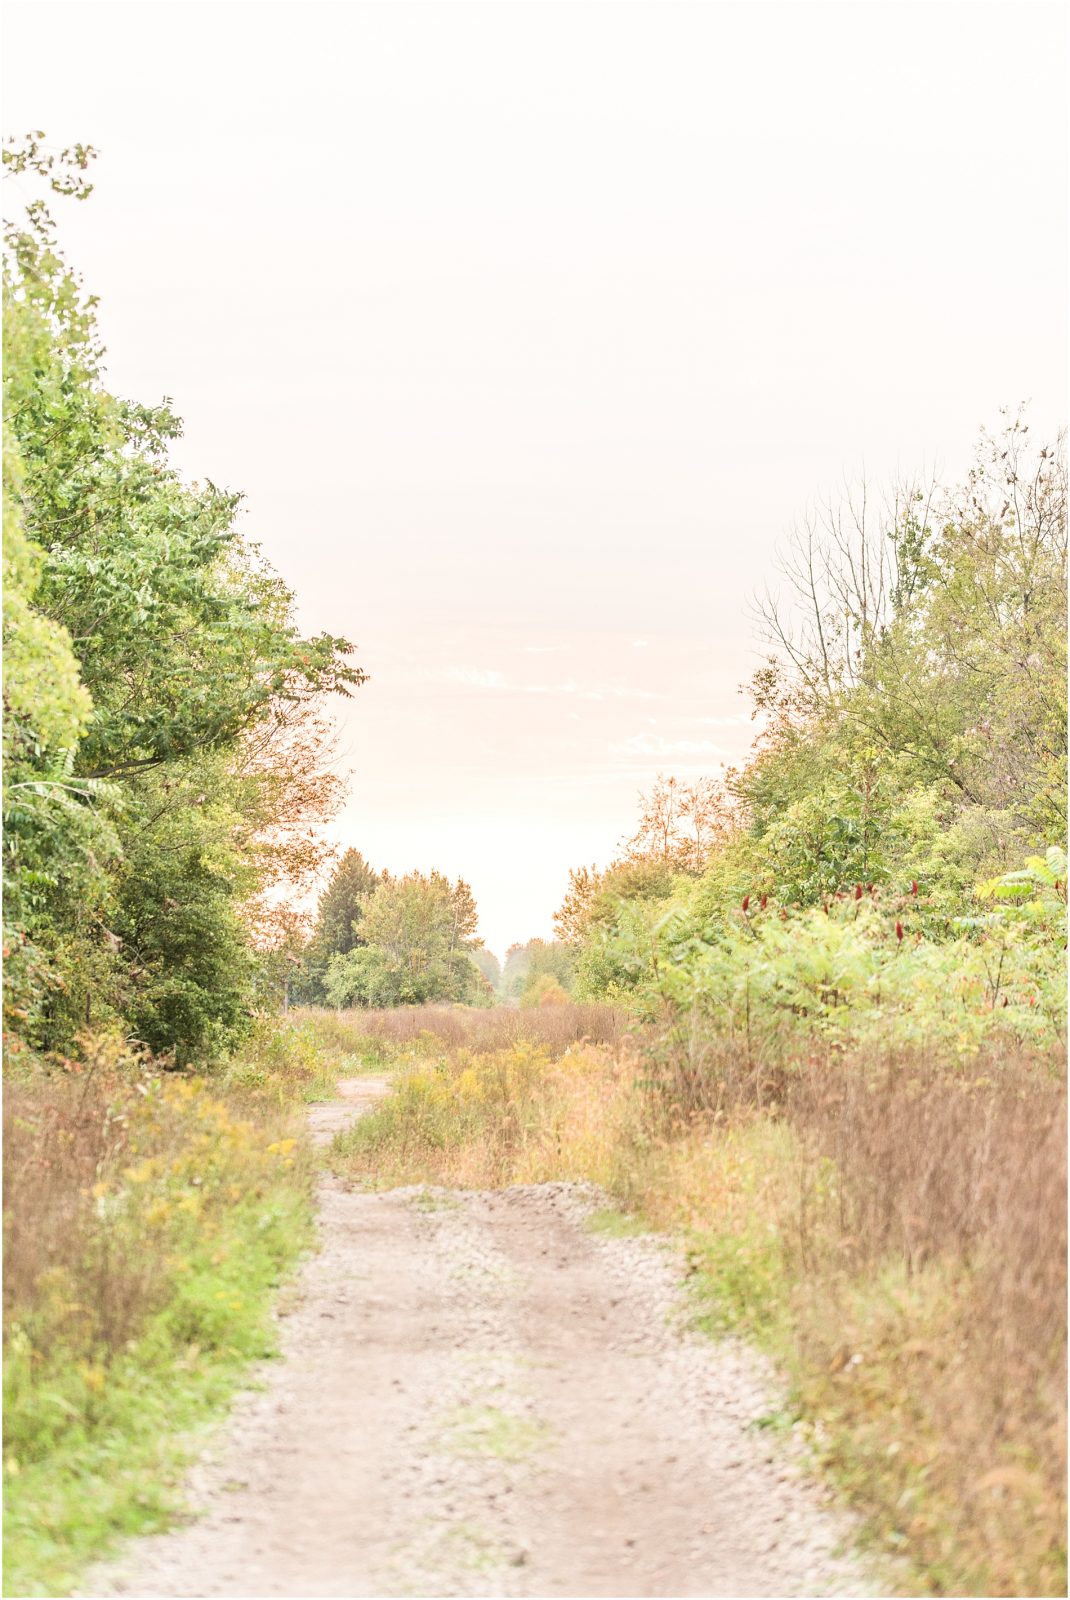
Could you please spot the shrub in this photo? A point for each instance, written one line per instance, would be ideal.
(146, 1221)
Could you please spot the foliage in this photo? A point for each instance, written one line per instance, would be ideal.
(862, 969)
(914, 734)
(336, 930)
(293, 1059)
(527, 964)
(680, 823)
(164, 750)
(594, 898)
(937, 633)
(418, 932)
(544, 991)
(146, 1224)
(489, 966)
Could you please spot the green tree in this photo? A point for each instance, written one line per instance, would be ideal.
(155, 682)
(932, 642)
(914, 730)
(418, 932)
(526, 964)
(337, 928)
(544, 990)
(342, 906)
(489, 966)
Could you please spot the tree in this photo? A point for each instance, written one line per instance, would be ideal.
(343, 902)
(935, 638)
(593, 898)
(527, 964)
(162, 727)
(418, 933)
(914, 732)
(680, 823)
(489, 966)
(545, 990)
(336, 930)
(573, 917)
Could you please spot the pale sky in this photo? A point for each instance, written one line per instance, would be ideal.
(529, 329)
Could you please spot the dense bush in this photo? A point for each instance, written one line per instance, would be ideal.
(864, 968)
(164, 755)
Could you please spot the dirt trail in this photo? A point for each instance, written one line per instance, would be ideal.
(478, 1396)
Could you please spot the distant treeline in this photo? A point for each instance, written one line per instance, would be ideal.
(383, 941)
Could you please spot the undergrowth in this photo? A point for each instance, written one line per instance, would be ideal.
(148, 1218)
(893, 1231)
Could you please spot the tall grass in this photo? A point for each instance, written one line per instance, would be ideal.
(146, 1222)
(899, 1237)
(386, 1035)
(893, 1232)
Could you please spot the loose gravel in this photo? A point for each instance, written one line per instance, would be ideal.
(479, 1395)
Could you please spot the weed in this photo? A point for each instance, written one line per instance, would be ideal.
(615, 1224)
(895, 1235)
(146, 1227)
(487, 1431)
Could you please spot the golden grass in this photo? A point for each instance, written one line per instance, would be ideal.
(895, 1236)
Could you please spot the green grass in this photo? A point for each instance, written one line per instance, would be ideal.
(613, 1224)
(95, 1455)
(487, 1431)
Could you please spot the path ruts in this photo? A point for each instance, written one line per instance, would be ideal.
(478, 1396)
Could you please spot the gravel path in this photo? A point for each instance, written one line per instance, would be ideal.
(478, 1396)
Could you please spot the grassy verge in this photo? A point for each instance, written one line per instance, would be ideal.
(149, 1218)
(894, 1235)
(931, 1368)
(299, 1059)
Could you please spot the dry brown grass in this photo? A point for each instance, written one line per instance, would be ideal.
(429, 1029)
(147, 1221)
(934, 1251)
(65, 1261)
(896, 1235)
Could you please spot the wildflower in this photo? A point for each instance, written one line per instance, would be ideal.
(746, 901)
(899, 931)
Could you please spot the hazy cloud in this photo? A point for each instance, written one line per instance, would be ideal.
(653, 744)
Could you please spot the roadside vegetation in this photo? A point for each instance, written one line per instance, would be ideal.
(166, 761)
(892, 1230)
(811, 1018)
(841, 976)
(150, 1218)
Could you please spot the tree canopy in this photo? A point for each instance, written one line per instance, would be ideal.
(418, 934)
(156, 687)
(914, 731)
